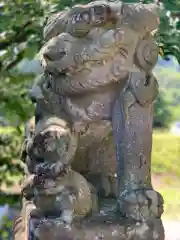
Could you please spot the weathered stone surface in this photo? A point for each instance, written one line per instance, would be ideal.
(105, 225)
(92, 132)
(112, 229)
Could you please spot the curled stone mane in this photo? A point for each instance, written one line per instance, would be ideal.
(107, 50)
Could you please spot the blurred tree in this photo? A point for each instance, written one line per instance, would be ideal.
(170, 85)
(162, 113)
(168, 35)
(20, 37)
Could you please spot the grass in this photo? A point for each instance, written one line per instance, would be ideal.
(166, 171)
(166, 153)
(171, 203)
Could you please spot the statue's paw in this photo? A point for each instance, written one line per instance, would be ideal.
(141, 204)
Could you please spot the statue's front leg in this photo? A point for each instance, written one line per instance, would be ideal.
(132, 128)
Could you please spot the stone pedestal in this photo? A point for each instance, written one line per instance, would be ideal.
(106, 225)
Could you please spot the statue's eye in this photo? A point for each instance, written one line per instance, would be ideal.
(99, 10)
(86, 16)
(54, 56)
(62, 54)
(66, 51)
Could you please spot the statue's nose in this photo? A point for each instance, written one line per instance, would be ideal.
(53, 55)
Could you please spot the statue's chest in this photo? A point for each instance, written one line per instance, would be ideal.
(92, 107)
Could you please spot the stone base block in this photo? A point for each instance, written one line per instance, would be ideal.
(105, 225)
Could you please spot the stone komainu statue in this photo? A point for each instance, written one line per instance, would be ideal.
(97, 80)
